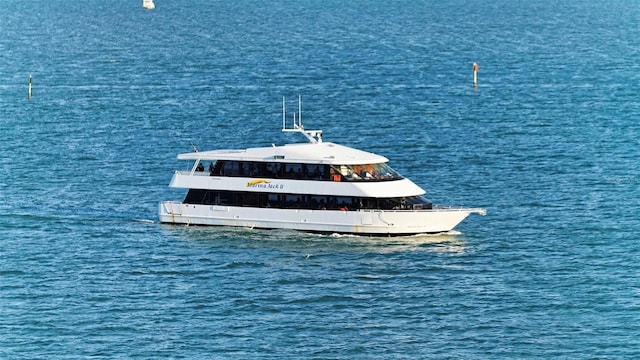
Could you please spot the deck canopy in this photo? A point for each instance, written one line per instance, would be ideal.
(307, 153)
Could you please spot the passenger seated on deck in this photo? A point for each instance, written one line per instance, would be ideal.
(316, 173)
(211, 168)
(334, 175)
(200, 167)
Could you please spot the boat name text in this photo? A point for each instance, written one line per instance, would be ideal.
(264, 184)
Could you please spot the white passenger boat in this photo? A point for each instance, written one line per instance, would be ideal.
(316, 187)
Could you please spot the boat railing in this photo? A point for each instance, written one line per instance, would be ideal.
(333, 176)
(189, 172)
(480, 211)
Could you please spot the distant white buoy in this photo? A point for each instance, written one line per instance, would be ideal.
(148, 4)
(29, 91)
(475, 74)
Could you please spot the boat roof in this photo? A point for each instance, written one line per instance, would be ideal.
(308, 153)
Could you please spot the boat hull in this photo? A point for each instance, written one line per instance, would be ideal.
(362, 222)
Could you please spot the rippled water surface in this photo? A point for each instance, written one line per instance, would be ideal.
(547, 142)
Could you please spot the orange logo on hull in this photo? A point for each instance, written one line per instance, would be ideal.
(256, 182)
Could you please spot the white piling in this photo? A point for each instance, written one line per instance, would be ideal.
(29, 91)
(475, 74)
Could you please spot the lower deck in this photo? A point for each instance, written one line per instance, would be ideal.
(302, 201)
(361, 222)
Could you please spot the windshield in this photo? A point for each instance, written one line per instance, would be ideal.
(366, 172)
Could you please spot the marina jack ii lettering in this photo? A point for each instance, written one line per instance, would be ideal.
(264, 184)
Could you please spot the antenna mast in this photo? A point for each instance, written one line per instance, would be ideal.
(314, 136)
(283, 114)
(300, 110)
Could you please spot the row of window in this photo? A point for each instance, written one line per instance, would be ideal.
(257, 169)
(298, 201)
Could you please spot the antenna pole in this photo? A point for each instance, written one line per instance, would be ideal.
(283, 113)
(300, 109)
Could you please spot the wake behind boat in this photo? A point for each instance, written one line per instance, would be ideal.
(316, 187)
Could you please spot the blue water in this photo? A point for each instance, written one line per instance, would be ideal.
(548, 142)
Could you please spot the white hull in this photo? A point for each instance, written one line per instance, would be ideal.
(364, 222)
